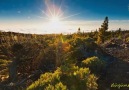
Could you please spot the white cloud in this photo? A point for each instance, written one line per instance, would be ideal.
(65, 27)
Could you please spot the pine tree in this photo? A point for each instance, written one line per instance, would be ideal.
(105, 24)
(100, 36)
(102, 31)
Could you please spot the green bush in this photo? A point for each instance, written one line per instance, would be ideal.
(79, 79)
(58, 86)
(82, 48)
(63, 79)
(94, 64)
(4, 61)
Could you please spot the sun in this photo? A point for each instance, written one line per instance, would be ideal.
(55, 23)
(55, 19)
(54, 15)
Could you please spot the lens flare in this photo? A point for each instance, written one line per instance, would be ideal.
(55, 15)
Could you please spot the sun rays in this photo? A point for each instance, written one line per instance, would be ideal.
(55, 15)
(53, 11)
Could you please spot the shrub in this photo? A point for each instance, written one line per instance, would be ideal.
(82, 48)
(47, 80)
(94, 64)
(73, 79)
(58, 86)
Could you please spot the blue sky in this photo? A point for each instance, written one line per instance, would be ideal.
(18, 13)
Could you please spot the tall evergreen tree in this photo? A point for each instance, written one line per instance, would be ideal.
(105, 24)
(102, 31)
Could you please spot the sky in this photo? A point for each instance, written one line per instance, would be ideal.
(62, 16)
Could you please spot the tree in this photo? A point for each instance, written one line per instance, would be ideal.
(102, 31)
(105, 24)
(79, 31)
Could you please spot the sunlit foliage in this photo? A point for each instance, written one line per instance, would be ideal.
(95, 64)
(74, 79)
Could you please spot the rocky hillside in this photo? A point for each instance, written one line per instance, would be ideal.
(117, 71)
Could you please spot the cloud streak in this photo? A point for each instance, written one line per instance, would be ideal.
(67, 27)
